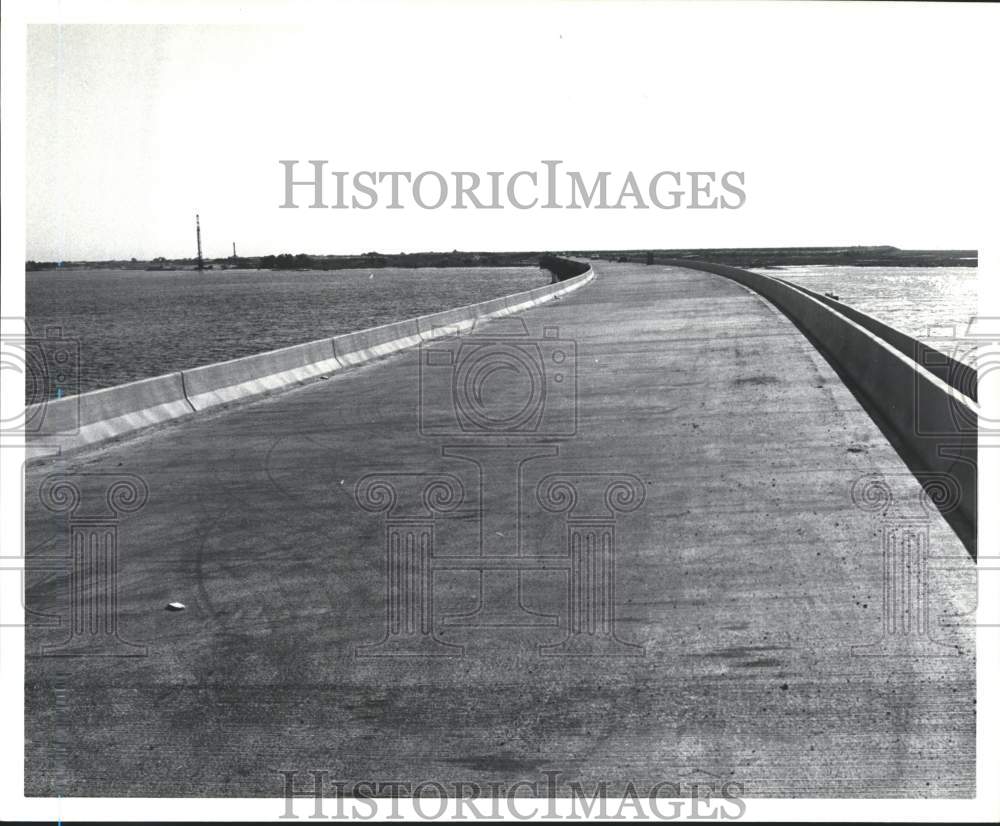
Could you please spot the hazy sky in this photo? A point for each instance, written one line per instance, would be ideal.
(132, 129)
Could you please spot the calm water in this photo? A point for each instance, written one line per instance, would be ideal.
(932, 304)
(131, 325)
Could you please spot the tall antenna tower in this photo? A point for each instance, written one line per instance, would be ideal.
(197, 229)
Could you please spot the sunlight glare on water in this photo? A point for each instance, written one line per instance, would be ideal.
(932, 304)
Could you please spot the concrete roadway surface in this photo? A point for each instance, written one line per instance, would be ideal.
(748, 642)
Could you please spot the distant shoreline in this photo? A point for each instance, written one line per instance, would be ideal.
(747, 258)
(768, 257)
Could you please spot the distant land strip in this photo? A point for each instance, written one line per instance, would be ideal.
(746, 258)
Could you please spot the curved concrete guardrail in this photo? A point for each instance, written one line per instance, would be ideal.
(106, 414)
(932, 425)
(75, 422)
(960, 376)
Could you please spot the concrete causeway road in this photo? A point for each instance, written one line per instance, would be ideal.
(672, 572)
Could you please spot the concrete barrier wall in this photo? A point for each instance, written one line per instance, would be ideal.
(109, 413)
(458, 320)
(960, 376)
(365, 345)
(522, 301)
(229, 381)
(76, 422)
(447, 323)
(933, 426)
